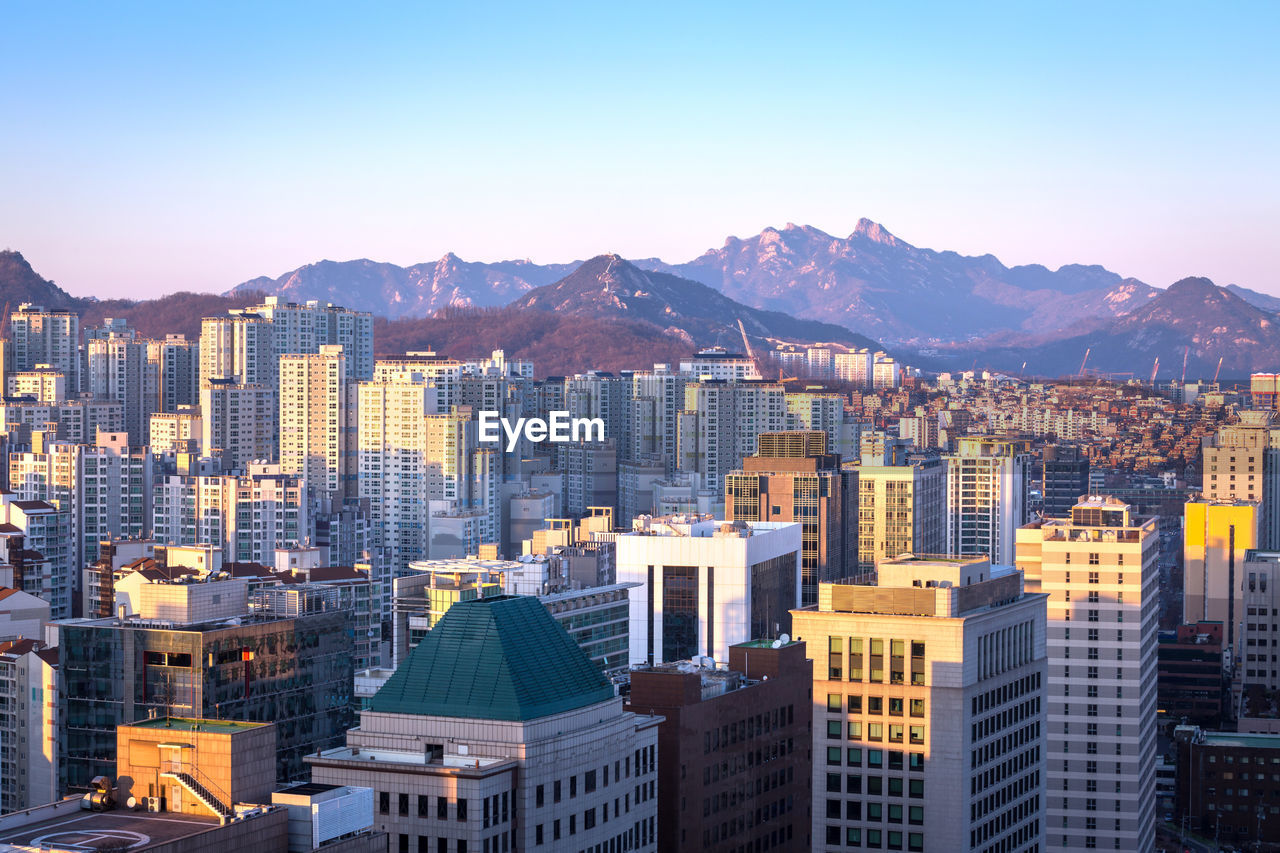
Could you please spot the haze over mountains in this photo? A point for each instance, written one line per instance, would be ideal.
(938, 309)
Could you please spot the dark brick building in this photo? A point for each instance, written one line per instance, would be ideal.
(1190, 684)
(734, 755)
(1227, 785)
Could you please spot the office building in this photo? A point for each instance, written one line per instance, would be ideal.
(1191, 686)
(987, 484)
(499, 733)
(1242, 462)
(1064, 478)
(1226, 785)
(1217, 536)
(1259, 634)
(792, 478)
(733, 748)
(929, 727)
(195, 650)
(902, 503)
(1099, 570)
(704, 585)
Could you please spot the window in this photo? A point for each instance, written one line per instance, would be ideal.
(589, 781)
(834, 729)
(384, 802)
(855, 704)
(835, 654)
(895, 707)
(833, 756)
(917, 707)
(424, 806)
(875, 731)
(538, 798)
(462, 809)
(555, 793)
(834, 702)
(403, 802)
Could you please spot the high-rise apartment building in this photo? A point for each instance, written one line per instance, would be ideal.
(929, 709)
(172, 432)
(901, 504)
(239, 347)
(247, 515)
(302, 328)
(653, 410)
(105, 487)
(28, 724)
(1099, 570)
(119, 370)
(46, 337)
(792, 477)
(175, 365)
(987, 480)
(238, 423)
(35, 538)
(719, 365)
(719, 425)
(703, 585)
(317, 421)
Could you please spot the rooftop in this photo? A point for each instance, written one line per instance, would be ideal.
(498, 658)
(187, 724)
(82, 830)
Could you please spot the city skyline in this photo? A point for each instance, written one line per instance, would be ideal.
(198, 149)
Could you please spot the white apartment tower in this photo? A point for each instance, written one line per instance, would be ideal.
(720, 424)
(1099, 570)
(929, 709)
(987, 480)
(238, 346)
(119, 370)
(175, 366)
(301, 328)
(46, 337)
(317, 421)
(238, 422)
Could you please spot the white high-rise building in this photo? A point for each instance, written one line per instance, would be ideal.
(653, 411)
(929, 709)
(238, 422)
(46, 337)
(249, 516)
(175, 367)
(854, 367)
(987, 482)
(169, 432)
(28, 725)
(119, 370)
(1099, 570)
(42, 383)
(705, 585)
(238, 346)
(302, 328)
(720, 425)
(104, 487)
(317, 420)
(716, 363)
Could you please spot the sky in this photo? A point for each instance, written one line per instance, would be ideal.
(149, 148)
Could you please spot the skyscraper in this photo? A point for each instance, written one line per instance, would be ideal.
(1099, 570)
(1242, 462)
(987, 483)
(929, 715)
(1064, 478)
(1217, 536)
(902, 503)
(792, 477)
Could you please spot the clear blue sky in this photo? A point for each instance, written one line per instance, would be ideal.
(149, 148)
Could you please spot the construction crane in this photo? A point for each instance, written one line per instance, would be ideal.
(1154, 368)
(1084, 361)
(1186, 352)
(746, 343)
(1219, 370)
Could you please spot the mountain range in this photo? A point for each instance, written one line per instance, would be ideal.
(870, 282)
(938, 309)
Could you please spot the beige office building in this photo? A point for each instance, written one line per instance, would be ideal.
(1099, 570)
(928, 693)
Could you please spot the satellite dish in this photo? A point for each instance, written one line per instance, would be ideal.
(784, 639)
(776, 644)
